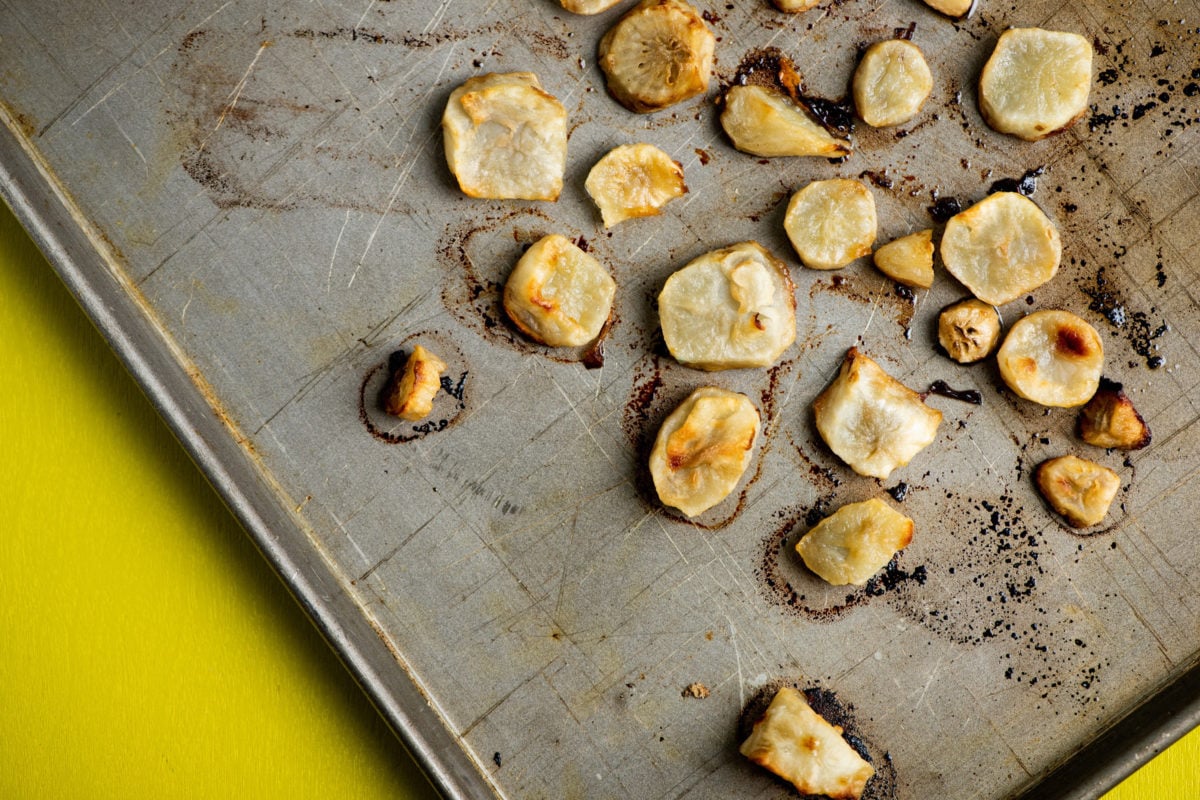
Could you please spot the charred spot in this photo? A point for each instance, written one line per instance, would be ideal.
(1070, 342)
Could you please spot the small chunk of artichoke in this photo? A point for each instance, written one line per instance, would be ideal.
(855, 542)
(1109, 420)
(908, 260)
(703, 449)
(872, 421)
(412, 389)
(1080, 490)
(505, 138)
(969, 330)
(765, 122)
(802, 747)
(1052, 357)
(559, 295)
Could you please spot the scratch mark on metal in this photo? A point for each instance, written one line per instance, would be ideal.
(234, 96)
(333, 257)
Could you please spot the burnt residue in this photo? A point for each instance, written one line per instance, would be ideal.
(1141, 329)
(771, 68)
(944, 208)
(836, 711)
(943, 389)
(1025, 185)
(593, 354)
(448, 403)
(899, 492)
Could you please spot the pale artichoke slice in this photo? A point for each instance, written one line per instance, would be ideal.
(891, 83)
(856, 541)
(1036, 82)
(730, 308)
(505, 138)
(1001, 248)
(1110, 420)
(831, 222)
(1081, 490)
(412, 389)
(969, 330)
(1052, 357)
(802, 747)
(658, 54)
(765, 122)
(559, 295)
(794, 6)
(634, 180)
(872, 421)
(956, 9)
(908, 260)
(587, 6)
(703, 448)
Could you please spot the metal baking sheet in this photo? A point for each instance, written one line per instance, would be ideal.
(251, 200)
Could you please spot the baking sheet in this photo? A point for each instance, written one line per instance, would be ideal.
(263, 185)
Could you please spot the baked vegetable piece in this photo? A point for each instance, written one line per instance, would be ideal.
(800, 746)
(559, 295)
(1109, 420)
(412, 389)
(794, 6)
(587, 6)
(891, 83)
(1001, 248)
(1081, 490)
(731, 308)
(634, 180)
(703, 449)
(505, 138)
(855, 542)
(955, 9)
(766, 122)
(908, 260)
(1052, 357)
(969, 330)
(658, 54)
(872, 421)
(1036, 82)
(831, 222)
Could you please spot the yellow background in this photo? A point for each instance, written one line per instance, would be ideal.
(146, 648)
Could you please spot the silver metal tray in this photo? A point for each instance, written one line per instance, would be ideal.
(251, 201)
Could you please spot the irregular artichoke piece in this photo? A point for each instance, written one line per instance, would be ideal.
(729, 309)
(1001, 248)
(658, 54)
(703, 448)
(891, 83)
(956, 9)
(855, 542)
(1036, 82)
(505, 138)
(587, 6)
(794, 6)
(969, 330)
(1109, 420)
(559, 295)
(1081, 490)
(765, 122)
(831, 222)
(1052, 357)
(800, 746)
(634, 180)
(908, 260)
(872, 421)
(410, 395)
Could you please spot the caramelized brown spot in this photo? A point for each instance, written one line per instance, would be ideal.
(1070, 342)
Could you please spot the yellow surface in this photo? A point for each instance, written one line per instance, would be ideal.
(146, 648)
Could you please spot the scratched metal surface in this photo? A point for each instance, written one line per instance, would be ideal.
(268, 181)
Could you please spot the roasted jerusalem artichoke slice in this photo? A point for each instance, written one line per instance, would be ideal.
(658, 54)
(764, 121)
(559, 295)
(1001, 248)
(800, 746)
(831, 222)
(1081, 490)
(908, 260)
(969, 330)
(1052, 357)
(1109, 420)
(891, 83)
(703, 448)
(794, 6)
(956, 9)
(412, 389)
(872, 421)
(587, 6)
(731, 308)
(855, 542)
(1036, 82)
(505, 138)
(634, 180)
